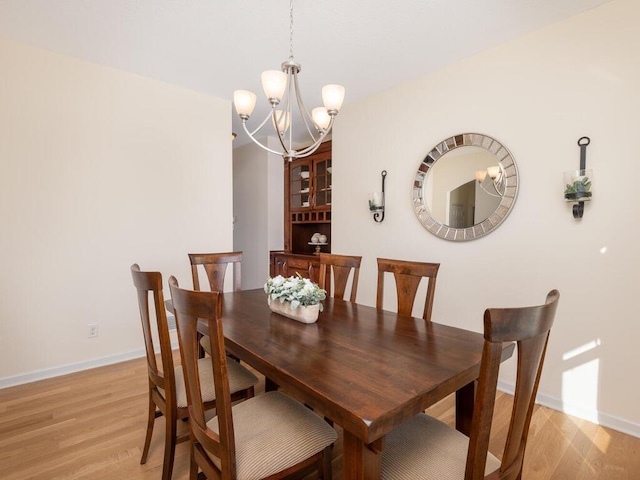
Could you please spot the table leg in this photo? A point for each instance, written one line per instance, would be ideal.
(270, 385)
(359, 460)
(200, 349)
(465, 398)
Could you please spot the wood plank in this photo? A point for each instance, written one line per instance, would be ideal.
(72, 439)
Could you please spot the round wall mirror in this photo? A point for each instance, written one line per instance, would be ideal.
(465, 187)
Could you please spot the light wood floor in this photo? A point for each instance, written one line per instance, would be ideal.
(91, 425)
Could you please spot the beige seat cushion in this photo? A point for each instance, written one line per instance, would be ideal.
(239, 379)
(427, 449)
(205, 344)
(274, 432)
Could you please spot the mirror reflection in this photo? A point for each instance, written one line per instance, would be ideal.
(460, 192)
(465, 187)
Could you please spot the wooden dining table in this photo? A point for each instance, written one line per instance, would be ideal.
(367, 370)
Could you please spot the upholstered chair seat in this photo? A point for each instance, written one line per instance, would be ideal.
(239, 379)
(427, 449)
(205, 344)
(273, 432)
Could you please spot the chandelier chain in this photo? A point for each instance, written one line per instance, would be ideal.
(291, 29)
(283, 92)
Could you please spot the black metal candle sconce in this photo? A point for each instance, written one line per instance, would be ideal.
(376, 201)
(578, 183)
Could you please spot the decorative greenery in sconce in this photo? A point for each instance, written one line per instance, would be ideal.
(579, 189)
(577, 183)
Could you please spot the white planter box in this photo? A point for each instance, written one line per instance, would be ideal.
(301, 314)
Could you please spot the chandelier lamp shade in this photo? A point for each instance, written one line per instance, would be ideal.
(288, 113)
(491, 180)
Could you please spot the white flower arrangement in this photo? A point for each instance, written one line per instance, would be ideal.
(300, 292)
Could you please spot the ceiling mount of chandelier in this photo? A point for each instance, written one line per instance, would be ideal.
(282, 90)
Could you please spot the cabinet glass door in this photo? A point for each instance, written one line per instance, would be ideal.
(301, 186)
(323, 183)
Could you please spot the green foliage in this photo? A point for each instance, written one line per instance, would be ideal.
(578, 186)
(297, 290)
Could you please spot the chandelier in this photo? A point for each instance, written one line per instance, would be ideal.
(491, 180)
(282, 90)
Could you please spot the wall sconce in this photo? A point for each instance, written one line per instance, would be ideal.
(491, 180)
(578, 183)
(376, 201)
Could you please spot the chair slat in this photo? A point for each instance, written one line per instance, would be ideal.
(341, 266)
(408, 276)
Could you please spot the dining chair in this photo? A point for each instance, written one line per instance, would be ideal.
(215, 266)
(426, 448)
(407, 277)
(267, 436)
(167, 392)
(341, 266)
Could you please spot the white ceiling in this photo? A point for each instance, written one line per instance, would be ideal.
(216, 47)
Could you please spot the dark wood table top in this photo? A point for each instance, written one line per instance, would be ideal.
(368, 370)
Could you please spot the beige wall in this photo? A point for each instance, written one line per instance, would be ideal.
(99, 169)
(537, 95)
(258, 209)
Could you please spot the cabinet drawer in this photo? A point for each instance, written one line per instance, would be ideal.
(298, 263)
(288, 265)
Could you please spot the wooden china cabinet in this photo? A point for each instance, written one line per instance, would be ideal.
(307, 210)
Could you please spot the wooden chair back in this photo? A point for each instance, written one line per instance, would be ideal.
(215, 267)
(149, 288)
(162, 379)
(341, 266)
(529, 327)
(189, 306)
(408, 276)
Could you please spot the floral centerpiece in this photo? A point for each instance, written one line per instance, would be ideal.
(295, 297)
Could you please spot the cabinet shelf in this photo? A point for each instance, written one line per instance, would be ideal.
(307, 202)
(310, 217)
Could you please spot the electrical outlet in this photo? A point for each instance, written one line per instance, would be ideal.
(92, 330)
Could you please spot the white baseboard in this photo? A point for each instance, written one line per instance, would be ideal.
(595, 416)
(592, 415)
(79, 366)
(69, 368)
